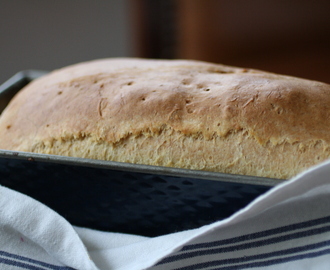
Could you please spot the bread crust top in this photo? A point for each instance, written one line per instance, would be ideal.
(108, 100)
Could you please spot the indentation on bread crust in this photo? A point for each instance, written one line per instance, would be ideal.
(101, 105)
(237, 153)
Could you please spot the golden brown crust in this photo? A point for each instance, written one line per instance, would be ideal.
(112, 102)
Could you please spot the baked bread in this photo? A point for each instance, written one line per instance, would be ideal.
(176, 113)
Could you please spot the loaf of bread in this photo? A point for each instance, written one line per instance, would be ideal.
(176, 113)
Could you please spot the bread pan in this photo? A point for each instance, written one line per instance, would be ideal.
(122, 197)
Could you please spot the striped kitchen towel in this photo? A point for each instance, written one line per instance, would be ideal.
(286, 228)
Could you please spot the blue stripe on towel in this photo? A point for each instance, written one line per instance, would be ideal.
(292, 227)
(275, 261)
(250, 245)
(27, 263)
(244, 259)
(20, 264)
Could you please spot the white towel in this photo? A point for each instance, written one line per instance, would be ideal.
(286, 228)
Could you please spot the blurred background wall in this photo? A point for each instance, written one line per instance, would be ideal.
(283, 36)
(49, 34)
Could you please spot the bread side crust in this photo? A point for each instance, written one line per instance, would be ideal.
(237, 153)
